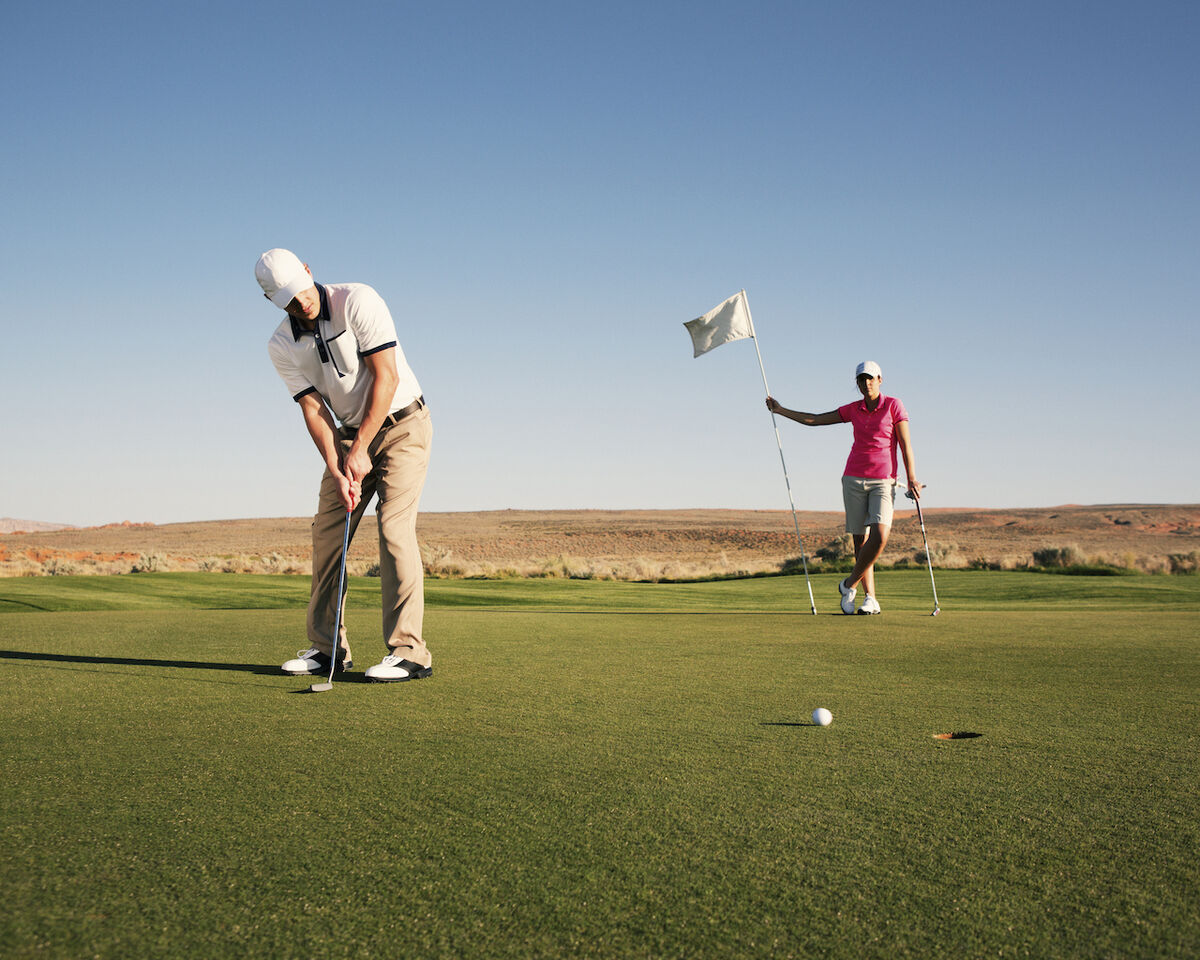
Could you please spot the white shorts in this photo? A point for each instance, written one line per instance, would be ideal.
(868, 503)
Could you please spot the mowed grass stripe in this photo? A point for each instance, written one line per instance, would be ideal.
(606, 783)
(900, 590)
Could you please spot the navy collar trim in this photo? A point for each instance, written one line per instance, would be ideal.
(297, 330)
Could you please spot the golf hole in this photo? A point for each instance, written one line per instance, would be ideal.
(957, 735)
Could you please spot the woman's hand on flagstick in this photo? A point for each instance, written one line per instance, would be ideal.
(808, 419)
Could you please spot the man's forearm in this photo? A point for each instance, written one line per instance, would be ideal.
(378, 407)
(324, 434)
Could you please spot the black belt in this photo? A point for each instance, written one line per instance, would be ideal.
(391, 419)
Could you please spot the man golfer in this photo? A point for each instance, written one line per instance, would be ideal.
(869, 483)
(338, 354)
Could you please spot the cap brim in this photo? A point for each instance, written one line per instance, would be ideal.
(286, 294)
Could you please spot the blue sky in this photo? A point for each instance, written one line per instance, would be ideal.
(997, 202)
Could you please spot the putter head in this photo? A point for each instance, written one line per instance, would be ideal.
(320, 687)
(936, 611)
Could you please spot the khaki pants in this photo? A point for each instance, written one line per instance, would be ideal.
(399, 459)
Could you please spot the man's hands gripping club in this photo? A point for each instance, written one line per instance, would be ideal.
(349, 466)
(349, 478)
(356, 462)
(340, 461)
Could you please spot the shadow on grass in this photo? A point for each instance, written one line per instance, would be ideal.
(23, 603)
(259, 669)
(788, 723)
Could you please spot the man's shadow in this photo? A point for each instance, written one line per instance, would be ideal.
(259, 669)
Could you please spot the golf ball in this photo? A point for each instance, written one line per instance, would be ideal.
(822, 717)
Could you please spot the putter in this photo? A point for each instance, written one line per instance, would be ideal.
(928, 558)
(337, 617)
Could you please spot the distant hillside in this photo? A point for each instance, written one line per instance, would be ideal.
(9, 525)
(633, 544)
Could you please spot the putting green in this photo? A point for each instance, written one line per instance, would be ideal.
(604, 770)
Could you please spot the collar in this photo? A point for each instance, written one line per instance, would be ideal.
(297, 330)
(879, 406)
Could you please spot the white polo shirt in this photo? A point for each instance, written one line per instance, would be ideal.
(354, 323)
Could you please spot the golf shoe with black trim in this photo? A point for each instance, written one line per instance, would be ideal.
(314, 661)
(393, 669)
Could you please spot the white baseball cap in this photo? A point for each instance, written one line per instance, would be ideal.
(281, 275)
(870, 368)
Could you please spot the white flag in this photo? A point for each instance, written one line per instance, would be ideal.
(730, 321)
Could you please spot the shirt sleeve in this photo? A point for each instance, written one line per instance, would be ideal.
(898, 412)
(844, 411)
(296, 382)
(370, 321)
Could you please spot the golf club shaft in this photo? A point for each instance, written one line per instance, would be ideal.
(337, 616)
(928, 558)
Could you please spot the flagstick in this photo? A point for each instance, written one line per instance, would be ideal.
(779, 441)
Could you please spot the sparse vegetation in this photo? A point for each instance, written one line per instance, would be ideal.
(983, 563)
(944, 555)
(1058, 557)
(643, 546)
(1184, 562)
(149, 563)
(60, 567)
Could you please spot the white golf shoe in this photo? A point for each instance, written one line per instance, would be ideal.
(848, 596)
(869, 605)
(393, 668)
(313, 660)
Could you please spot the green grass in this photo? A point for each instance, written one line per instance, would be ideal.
(604, 770)
(902, 590)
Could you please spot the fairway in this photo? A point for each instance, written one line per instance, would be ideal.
(604, 770)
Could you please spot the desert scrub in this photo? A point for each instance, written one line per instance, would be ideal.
(1051, 557)
(984, 563)
(839, 548)
(1184, 562)
(149, 563)
(438, 565)
(944, 555)
(273, 562)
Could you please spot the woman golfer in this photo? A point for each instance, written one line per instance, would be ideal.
(869, 484)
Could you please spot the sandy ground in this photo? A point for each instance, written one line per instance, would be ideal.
(628, 544)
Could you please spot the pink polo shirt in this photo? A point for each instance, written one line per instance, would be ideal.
(874, 452)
